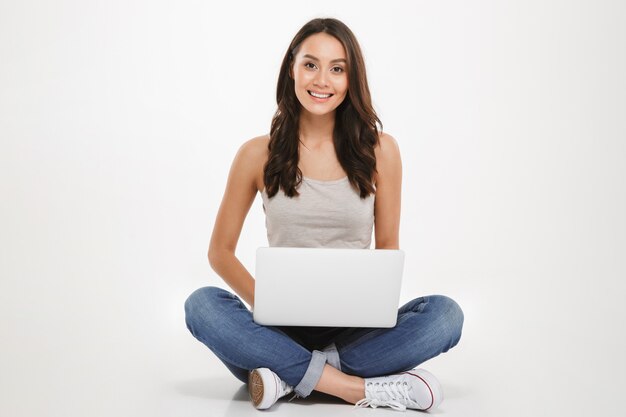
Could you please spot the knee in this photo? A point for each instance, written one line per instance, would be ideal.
(451, 318)
(201, 307)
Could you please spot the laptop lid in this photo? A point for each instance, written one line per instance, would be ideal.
(327, 286)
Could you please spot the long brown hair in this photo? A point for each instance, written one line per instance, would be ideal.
(355, 133)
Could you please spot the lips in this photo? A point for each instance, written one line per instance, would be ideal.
(319, 95)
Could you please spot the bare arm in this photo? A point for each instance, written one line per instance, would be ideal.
(388, 194)
(238, 197)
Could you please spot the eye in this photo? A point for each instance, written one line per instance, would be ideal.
(308, 64)
(338, 68)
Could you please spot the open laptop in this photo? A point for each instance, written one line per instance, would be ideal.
(327, 287)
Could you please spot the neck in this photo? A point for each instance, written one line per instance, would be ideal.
(316, 129)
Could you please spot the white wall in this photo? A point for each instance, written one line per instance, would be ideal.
(119, 121)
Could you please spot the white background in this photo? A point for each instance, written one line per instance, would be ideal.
(118, 124)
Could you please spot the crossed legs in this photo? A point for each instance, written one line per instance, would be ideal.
(426, 327)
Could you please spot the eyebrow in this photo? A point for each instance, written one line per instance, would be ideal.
(316, 59)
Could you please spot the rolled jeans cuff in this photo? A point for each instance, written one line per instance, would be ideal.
(312, 374)
(332, 356)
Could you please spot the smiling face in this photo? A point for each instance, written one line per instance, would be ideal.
(320, 74)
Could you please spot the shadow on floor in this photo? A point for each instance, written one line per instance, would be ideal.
(225, 388)
(235, 392)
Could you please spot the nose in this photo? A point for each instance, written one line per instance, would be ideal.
(320, 80)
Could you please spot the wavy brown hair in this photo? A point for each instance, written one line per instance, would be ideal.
(355, 133)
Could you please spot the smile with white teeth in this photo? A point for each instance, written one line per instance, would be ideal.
(319, 95)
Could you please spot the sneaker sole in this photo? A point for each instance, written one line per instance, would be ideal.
(255, 388)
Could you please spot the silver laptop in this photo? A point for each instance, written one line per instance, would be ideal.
(327, 287)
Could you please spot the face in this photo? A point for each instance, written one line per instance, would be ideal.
(320, 68)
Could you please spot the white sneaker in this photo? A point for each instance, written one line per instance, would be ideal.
(265, 388)
(417, 389)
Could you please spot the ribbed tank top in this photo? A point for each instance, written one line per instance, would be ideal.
(325, 214)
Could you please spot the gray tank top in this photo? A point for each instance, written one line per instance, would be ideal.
(325, 214)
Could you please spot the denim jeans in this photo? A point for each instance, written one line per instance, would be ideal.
(426, 327)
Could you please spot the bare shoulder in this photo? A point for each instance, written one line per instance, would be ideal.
(253, 154)
(388, 159)
(387, 146)
(255, 146)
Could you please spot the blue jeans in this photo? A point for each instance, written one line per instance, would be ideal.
(426, 327)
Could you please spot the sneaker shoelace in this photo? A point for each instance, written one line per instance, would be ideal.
(397, 396)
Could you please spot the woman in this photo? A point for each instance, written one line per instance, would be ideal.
(327, 176)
